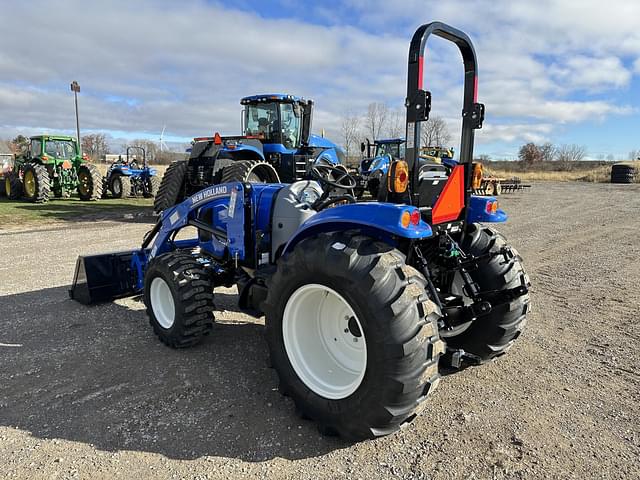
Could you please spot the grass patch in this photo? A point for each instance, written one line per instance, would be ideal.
(600, 174)
(18, 213)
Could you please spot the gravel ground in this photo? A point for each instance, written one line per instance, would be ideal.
(88, 392)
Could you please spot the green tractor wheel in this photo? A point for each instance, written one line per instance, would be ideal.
(13, 186)
(36, 183)
(89, 182)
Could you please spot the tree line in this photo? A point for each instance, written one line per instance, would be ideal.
(379, 121)
(96, 146)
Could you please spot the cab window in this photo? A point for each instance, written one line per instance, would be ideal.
(290, 125)
(36, 148)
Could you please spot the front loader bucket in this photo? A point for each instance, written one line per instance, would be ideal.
(102, 278)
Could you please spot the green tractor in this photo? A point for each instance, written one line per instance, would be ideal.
(54, 165)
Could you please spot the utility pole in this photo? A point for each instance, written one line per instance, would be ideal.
(75, 88)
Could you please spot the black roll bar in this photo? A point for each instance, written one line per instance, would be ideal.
(418, 101)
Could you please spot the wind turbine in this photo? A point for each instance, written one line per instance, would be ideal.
(163, 145)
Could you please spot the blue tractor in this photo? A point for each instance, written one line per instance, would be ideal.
(276, 145)
(366, 304)
(374, 166)
(127, 177)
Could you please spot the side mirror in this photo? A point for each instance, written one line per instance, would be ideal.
(307, 117)
(362, 147)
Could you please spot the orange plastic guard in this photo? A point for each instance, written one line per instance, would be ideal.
(451, 200)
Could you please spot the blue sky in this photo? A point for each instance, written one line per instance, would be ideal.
(560, 71)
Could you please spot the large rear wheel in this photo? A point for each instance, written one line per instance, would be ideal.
(152, 186)
(13, 186)
(36, 183)
(252, 171)
(172, 187)
(499, 271)
(89, 182)
(120, 186)
(352, 334)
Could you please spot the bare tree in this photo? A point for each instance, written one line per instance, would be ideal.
(376, 119)
(634, 154)
(350, 130)
(434, 133)
(95, 145)
(150, 147)
(569, 153)
(396, 128)
(547, 151)
(610, 157)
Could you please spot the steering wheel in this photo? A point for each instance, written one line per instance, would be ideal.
(342, 178)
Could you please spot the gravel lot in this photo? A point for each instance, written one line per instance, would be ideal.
(88, 392)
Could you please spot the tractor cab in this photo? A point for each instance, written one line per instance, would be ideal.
(277, 120)
(378, 157)
(390, 146)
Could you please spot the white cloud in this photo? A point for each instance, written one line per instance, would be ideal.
(187, 64)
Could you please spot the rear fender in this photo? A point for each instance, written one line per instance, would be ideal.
(478, 211)
(379, 220)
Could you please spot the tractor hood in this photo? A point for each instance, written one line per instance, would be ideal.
(318, 141)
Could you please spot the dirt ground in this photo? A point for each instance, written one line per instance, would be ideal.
(89, 392)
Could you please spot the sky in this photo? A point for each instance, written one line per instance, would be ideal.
(564, 71)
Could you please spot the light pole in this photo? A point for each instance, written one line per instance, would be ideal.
(75, 88)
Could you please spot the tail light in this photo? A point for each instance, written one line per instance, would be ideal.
(492, 206)
(410, 217)
(398, 179)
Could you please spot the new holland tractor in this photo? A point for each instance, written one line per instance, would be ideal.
(54, 165)
(375, 165)
(365, 304)
(276, 145)
(126, 177)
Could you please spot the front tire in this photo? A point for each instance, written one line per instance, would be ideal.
(178, 294)
(352, 334)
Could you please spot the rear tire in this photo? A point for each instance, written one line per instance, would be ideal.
(491, 335)
(36, 183)
(250, 171)
(120, 186)
(89, 182)
(178, 294)
(13, 186)
(377, 297)
(153, 184)
(172, 187)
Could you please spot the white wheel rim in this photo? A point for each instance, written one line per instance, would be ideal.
(162, 303)
(320, 332)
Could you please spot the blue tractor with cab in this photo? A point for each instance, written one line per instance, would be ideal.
(366, 304)
(128, 177)
(375, 164)
(276, 145)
